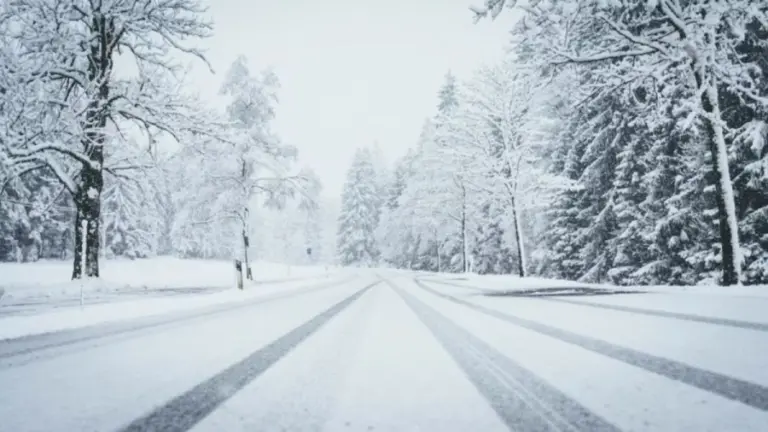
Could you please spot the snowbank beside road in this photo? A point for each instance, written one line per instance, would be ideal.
(505, 282)
(91, 314)
(51, 279)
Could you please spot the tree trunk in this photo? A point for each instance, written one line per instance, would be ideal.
(518, 239)
(726, 206)
(464, 260)
(415, 253)
(248, 273)
(464, 254)
(88, 208)
(729, 228)
(87, 197)
(166, 240)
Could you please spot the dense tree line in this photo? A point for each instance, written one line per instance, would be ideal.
(621, 141)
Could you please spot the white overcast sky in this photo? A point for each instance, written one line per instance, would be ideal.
(352, 72)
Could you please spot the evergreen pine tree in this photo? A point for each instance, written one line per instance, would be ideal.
(359, 213)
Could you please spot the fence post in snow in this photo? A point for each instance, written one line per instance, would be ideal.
(84, 250)
(239, 273)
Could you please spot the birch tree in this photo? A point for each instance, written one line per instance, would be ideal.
(498, 132)
(254, 161)
(247, 166)
(436, 199)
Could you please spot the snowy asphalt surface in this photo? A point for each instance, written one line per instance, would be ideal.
(379, 353)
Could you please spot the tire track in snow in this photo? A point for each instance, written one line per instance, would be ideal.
(520, 398)
(455, 284)
(749, 325)
(23, 350)
(540, 292)
(291, 394)
(187, 409)
(665, 314)
(754, 395)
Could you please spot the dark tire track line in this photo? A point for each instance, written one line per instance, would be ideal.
(38, 344)
(186, 410)
(455, 284)
(748, 393)
(520, 398)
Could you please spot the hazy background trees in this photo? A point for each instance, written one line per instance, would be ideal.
(103, 141)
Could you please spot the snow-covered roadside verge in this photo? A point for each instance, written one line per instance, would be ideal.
(515, 283)
(45, 280)
(506, 282)
(71, 318)
(732, 291)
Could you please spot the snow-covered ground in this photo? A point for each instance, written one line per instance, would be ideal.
(382, 350)
(50, 279)
(515, 283)
(73, 317)
(132, 289)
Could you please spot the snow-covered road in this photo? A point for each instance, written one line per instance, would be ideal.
(390, 352)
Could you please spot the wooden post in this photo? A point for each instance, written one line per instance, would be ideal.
(239, 273)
